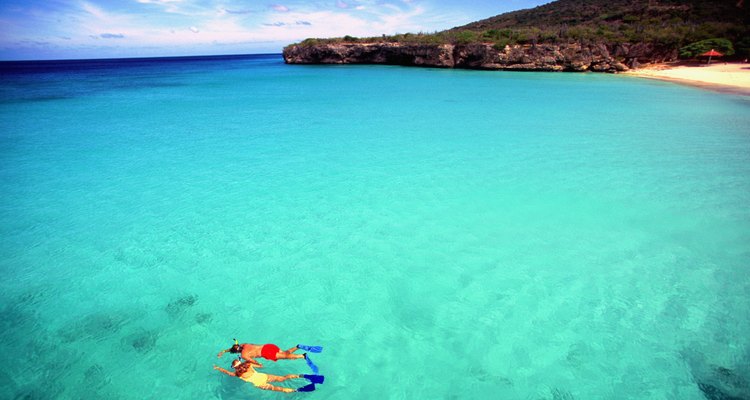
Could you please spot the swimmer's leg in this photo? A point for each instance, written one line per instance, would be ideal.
(276, 388)
(277, 378)
(292, 350)
(289, 354)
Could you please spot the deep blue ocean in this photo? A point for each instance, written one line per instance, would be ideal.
(443, 234)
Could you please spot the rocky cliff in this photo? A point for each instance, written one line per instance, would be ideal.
(541, 57)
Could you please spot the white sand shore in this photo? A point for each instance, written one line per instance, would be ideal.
(732, 78)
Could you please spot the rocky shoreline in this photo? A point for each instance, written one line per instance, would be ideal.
(574, 57)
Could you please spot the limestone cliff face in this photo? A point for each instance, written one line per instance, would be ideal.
(542, 57)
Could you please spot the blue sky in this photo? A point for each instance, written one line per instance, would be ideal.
(60, 29)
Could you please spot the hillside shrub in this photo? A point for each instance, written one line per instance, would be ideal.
(697, 48)
(466, 37)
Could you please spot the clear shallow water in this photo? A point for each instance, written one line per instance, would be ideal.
(443, 234)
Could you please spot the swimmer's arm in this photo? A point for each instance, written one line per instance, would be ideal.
(222, 370)
(221, 353)
(254, 362)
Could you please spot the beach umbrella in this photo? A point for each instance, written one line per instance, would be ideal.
(711, 53)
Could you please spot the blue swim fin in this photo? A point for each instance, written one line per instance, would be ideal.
(311, 349)
(307, 388)
(315, 378)
(310, 364)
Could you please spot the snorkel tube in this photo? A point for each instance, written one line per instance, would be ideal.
(236, 348)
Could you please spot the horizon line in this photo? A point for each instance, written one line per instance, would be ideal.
(141, 58)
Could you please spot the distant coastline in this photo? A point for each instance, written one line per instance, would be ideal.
(722, 77)
(542, 57)
(563, 35)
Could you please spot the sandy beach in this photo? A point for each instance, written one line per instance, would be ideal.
(729, 77)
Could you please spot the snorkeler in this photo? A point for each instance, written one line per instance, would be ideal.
(246, 372)
(271, 352)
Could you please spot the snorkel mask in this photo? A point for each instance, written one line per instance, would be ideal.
(236, 348)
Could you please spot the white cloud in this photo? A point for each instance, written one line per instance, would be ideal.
(151, 25)
(161, 2)
(169, 5)
(94, 11)
(235, 11)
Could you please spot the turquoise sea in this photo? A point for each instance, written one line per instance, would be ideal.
(443, 234)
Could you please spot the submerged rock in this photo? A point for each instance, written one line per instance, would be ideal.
(717, 382)
(713, 393)
(96, 326)
(730, 378)
(176, 307)
(96, 377)
(203, 318)
(561, 394)
(143, 341)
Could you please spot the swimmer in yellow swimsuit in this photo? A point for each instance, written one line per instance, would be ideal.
(246, 372)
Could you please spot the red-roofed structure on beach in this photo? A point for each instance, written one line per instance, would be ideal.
(711, 53)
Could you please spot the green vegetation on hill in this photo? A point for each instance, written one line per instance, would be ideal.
(671, 24)
(723, 46)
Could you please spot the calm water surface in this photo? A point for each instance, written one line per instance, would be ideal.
(443, 234)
